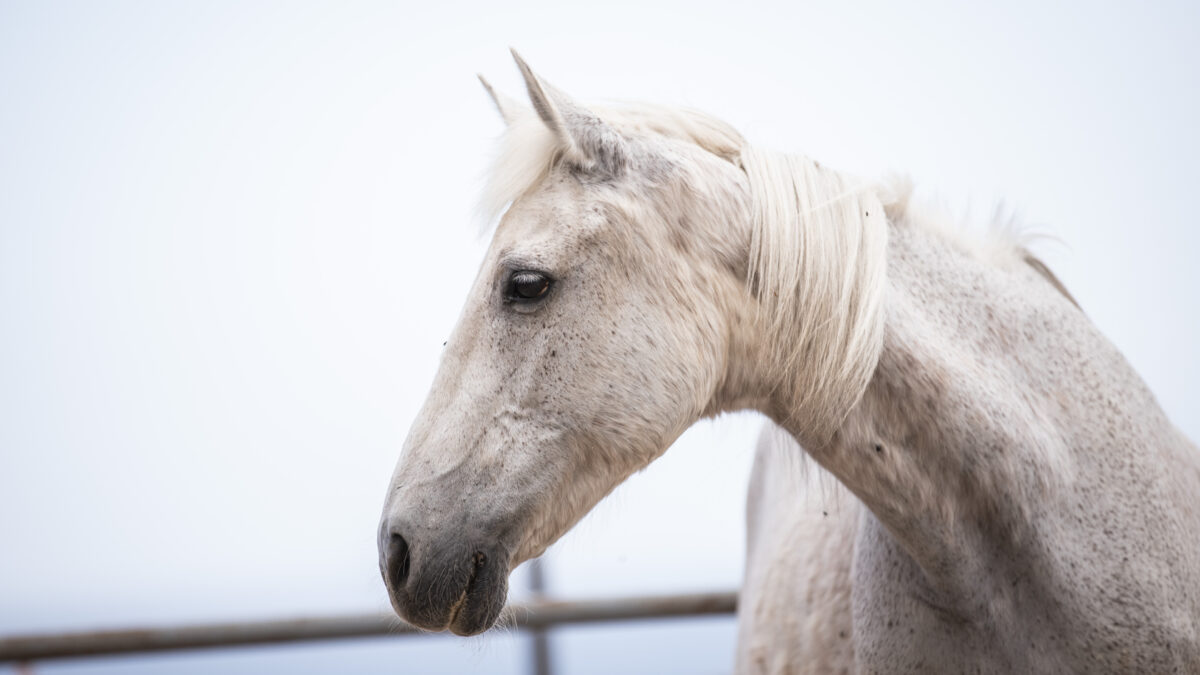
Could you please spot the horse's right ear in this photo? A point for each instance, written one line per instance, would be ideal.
(586, 140)
(509, 107)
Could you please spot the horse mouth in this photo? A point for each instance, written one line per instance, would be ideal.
(470, 613)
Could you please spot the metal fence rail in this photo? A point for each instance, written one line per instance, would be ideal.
(537, 615)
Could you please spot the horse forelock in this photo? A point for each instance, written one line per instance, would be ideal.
(529, 150)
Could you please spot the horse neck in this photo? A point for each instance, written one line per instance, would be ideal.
(948, 445)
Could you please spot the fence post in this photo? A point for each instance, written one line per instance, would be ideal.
(541, 641)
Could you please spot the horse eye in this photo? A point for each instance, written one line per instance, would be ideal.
(526, 286)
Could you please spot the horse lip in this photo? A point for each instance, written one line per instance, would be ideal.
(456, 608)
(459, 622)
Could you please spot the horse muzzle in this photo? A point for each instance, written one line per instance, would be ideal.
(438, 583)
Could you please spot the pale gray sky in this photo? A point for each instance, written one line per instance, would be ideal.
(220, 224)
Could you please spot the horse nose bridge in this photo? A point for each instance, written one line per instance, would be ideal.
(433, 485)
(443, 438)
(471, 498)
(458, 458)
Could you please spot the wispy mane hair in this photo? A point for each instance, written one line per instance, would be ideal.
(817, 251)
(818, 265)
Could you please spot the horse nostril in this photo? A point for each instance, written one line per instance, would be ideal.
(397, 561)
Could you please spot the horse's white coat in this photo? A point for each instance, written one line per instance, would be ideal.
(1017, 500)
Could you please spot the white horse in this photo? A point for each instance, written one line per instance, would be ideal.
(1015, 500)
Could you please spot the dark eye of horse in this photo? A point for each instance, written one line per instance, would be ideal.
(526, 286)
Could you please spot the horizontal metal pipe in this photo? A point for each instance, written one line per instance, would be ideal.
(537, 615)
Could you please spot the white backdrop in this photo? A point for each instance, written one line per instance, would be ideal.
(233, 239)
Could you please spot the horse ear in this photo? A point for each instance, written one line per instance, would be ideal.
(586, 140)
(509, 107)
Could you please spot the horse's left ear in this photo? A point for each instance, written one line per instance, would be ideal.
(587, 141)
(509, 109)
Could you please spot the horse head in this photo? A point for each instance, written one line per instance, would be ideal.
(620, 300)
(598, 329)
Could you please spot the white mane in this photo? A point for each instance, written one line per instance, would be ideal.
(817, 260)
(817, 250)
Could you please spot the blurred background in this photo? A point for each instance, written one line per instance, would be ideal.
(233, 237)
